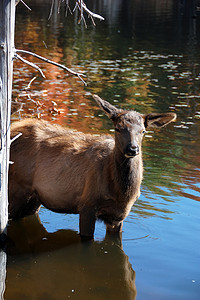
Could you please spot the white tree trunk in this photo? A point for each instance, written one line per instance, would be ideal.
(7, 24)
(2, 272)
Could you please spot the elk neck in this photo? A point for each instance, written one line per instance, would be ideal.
(128, 173)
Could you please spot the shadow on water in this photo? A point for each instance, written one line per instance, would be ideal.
(42, 265)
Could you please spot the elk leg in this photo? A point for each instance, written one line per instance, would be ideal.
(22, 201)
(114, 232)
(114, 228)
(87, 221)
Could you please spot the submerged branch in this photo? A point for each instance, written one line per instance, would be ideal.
(29, 85)
(79, 75)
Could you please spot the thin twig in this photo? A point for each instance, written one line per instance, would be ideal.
(59, 4)
(82, 7)
(76, 5)
(45, 44)
(79, 75)
(29, 97)
(51, 11)
(17, 2)
(15, 137)
(11, 141)
(89, 12)
(29, 85)
(15, 107)
(92, 20)
(25, 5)
(68, 8)
(30, 64)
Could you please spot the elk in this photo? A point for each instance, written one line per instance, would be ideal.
(97, 177)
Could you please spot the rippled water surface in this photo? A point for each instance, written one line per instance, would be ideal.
(144, 56)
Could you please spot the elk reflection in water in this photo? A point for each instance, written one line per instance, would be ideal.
(42, 265)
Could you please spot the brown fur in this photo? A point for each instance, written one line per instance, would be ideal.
(72, 172)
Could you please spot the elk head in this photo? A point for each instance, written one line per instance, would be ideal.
(130, 126)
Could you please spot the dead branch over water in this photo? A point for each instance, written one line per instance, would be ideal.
(79, 75)
(82, 8)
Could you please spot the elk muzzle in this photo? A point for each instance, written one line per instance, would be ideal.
(132, 151)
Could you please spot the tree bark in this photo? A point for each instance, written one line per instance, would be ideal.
(2, 273)
(7, 24)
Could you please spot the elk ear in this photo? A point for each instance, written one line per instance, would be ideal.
(108, 108)
(158, 120)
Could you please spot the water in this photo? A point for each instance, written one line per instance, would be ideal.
(144, 56)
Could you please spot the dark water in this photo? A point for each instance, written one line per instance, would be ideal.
(144, 56)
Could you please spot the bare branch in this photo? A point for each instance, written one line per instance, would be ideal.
(51, 11)
(17, 1)
(79, 75)
(15, 107)
(11, 141)
(29, 85)
(59, 4)
(83, 6)
(30, 64)
(15, 137)
(68, 8)
(45, 44)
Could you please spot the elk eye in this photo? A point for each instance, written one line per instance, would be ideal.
(143, 131)
(117, 129)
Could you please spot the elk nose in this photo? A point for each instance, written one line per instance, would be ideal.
(132, 151)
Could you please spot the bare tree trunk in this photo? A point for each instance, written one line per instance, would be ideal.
(7, 24)
(2, 273)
